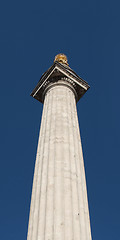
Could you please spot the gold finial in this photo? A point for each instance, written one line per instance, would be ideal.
(61, 58)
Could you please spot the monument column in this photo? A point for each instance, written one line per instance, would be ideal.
(59, 206)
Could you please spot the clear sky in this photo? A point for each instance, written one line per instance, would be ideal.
(32, 33)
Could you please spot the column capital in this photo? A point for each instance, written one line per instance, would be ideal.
(60, 74)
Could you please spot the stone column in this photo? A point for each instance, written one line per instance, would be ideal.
(59, 206)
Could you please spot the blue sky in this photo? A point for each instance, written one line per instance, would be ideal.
(32, 33)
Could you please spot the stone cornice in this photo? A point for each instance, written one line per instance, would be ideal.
(60, 72)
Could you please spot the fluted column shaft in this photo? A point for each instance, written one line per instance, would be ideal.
(59, 207)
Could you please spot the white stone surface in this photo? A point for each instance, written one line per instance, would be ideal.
(59, 206)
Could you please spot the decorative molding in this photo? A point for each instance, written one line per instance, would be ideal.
(60, 72)
(57, 82)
